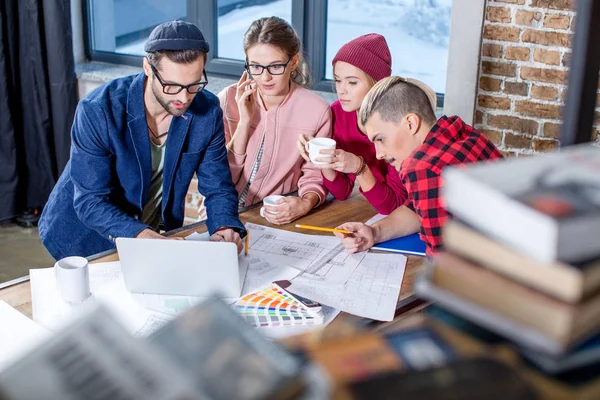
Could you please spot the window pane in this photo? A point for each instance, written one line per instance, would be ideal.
(417, 33)
(235, 17)
(122, 26)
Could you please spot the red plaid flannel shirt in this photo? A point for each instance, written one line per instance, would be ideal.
(449, 142)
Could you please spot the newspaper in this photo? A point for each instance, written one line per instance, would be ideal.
(226, 357)
(209, 352)
(95, 358)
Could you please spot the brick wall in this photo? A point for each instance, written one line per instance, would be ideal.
(524, 64)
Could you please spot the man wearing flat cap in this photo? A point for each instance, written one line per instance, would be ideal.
(136, 144)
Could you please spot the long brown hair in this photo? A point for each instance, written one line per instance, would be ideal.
(277, 32)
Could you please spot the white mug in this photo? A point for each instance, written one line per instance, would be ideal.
(270, 201)
(73, 279)
(314, 146)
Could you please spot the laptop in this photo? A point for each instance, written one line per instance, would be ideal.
(181, 267)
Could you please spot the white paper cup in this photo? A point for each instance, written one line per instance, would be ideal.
(270, 201)
(314, 146)
(73, 279)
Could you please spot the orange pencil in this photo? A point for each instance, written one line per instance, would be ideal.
(247, 242)
(318, 228)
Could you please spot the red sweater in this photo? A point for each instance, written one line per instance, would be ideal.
(388, 193)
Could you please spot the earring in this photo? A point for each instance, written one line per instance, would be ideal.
(294, 74)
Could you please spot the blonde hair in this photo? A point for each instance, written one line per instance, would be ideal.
(394, 97)
(370, 80)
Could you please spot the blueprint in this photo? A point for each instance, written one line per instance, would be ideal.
(261, 273)
(371, 291)
(322, 257)
(364, 284)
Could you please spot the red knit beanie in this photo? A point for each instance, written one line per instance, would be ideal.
(368, 52)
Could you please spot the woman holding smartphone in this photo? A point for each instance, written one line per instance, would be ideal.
(263, 115)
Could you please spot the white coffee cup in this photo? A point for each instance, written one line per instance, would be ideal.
(314, 146)
(270, 201)
(73, 279)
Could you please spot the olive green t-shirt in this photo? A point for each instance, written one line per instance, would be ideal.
(152, 209)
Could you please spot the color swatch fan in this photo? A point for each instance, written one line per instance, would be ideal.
(275, 306)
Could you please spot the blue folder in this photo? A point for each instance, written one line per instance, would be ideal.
(411, 244)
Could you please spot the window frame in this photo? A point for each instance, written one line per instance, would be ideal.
(309, 18)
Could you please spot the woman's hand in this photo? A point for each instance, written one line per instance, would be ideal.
(245, 97)
(302, 140)
(288, 209)
(340, 160)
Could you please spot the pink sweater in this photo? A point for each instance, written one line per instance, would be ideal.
(389, 192)
(282, 170)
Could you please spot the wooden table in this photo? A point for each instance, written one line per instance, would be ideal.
(18, 293)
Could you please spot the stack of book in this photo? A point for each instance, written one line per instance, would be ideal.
(522, 255)
(418, 357)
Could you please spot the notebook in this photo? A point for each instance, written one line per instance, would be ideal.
(411, 244)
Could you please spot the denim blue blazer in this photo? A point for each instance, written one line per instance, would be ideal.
(101, 193)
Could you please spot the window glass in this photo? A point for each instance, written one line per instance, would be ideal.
(123, 26)
(417, 33)
(235, 17)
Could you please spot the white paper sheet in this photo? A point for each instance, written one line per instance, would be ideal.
(203, 237)
(107, 285)
(371, 292)
(131, 313)
(364, 284)
(49, 310)
(261, 274)
(18, 334)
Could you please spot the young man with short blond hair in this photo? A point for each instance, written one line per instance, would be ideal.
(400, 121)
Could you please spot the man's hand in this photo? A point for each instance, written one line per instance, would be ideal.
(150, 234)
(227, 235)
(362, 237)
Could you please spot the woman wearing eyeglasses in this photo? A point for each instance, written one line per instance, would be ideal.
(263, 115)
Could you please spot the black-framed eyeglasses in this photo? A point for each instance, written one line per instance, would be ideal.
(173, 88)
(274, 69)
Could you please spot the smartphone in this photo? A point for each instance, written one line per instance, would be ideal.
(253, 83)
(309, 304)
